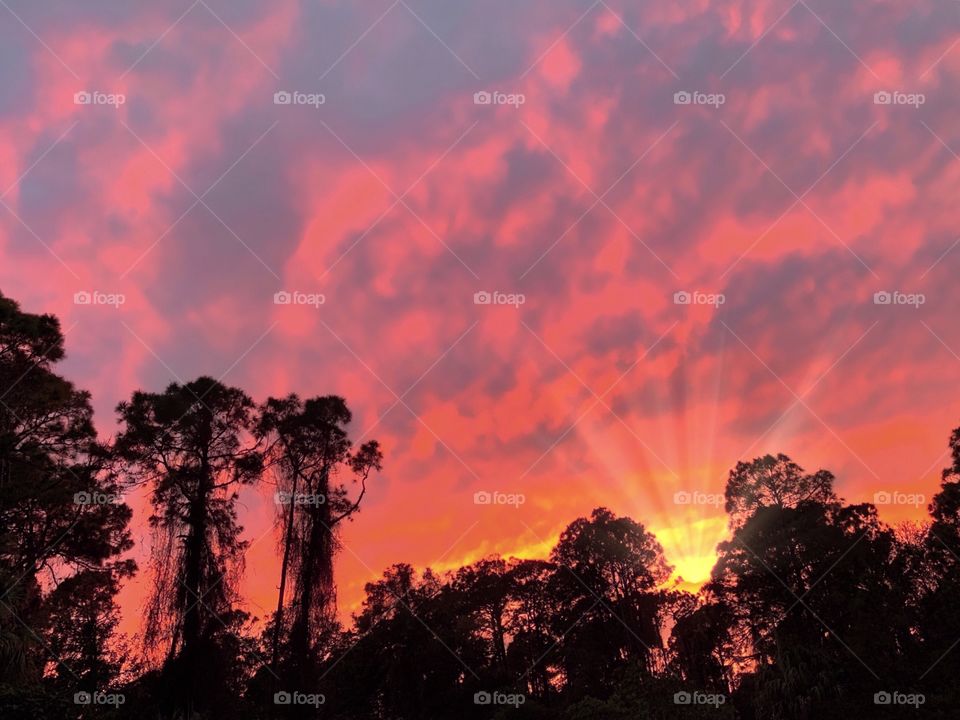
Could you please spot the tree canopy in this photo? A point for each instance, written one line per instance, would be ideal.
(816, 608)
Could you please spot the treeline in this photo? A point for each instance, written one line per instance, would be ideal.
(815, 608)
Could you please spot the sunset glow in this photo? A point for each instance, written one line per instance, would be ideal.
(530, 263)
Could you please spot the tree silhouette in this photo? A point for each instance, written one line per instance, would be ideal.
(83, 617)
(612, 568)
(532, 629)
(814, 605)
(803, 583)
(776, 482)
(413, 654)
(191, 445)
(309, 444)
(937, 578)
(61, 510)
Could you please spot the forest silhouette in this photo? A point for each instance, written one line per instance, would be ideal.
(815, 607)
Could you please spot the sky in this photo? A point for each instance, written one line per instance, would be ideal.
(562, 253)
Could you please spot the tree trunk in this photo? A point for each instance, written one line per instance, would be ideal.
(288, 541)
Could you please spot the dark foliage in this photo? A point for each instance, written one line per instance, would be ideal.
(815, 608)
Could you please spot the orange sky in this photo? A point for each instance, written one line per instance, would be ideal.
(597, 198)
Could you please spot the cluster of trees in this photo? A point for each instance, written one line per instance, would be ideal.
(815, 608)
(64, 534)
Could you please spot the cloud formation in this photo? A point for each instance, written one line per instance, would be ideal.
(597, 198)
